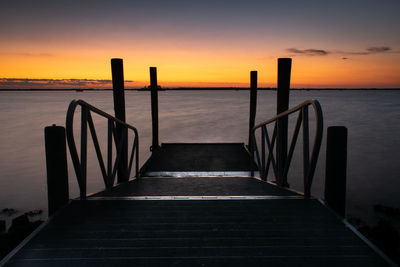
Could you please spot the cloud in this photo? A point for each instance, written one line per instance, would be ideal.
(378, 49)
(24, 83)
(368, 51)
(322, 52)
(308, 52)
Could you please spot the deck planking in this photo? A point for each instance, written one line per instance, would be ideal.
(280, 232)
(195, 157)
(195, 186)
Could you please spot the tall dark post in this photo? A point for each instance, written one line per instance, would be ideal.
(56, 165)
(284, 69)
(253, 105)
(117, 72)
(154, 106)
(335, 170)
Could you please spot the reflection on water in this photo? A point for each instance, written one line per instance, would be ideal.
(372, 118)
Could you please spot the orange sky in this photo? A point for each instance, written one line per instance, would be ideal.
(209, 69)
(204, 49)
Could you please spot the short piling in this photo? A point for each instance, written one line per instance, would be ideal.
(283, 88)
(253, 105)
(117, 72)
(154, 107)
(335, 170)
(56, 165)
(3, 227)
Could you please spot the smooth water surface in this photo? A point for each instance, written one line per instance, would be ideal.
(372, 119)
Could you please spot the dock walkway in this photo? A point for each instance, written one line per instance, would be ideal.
(195, 221)
(197, 159)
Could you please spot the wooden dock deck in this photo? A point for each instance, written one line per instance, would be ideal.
(195, 221)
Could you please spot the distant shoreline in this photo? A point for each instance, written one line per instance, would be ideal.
(198, 89)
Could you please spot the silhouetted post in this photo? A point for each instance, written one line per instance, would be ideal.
(253, 105)
(56, 165)
(284, 69)
(335, 170)
(117, 72)
(3, 227)
(154, 106)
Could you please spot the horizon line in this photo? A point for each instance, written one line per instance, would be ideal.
(188, 88)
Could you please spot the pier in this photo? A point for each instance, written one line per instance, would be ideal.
(197, 204)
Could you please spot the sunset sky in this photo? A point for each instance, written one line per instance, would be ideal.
(341, 43)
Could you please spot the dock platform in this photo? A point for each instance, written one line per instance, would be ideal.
(195, 221)
(188, 232)
(180, 219)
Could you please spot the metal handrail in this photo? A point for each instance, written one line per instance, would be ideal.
(80, 165)
(308, 164)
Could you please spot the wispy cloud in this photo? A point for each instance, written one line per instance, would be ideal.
(17, 83)
(378, 49)
(308, 52)
(368, 51)
(323, 52)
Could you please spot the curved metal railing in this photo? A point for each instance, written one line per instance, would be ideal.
(80, 164)
(309, 164)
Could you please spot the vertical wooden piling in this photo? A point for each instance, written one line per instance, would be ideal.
(154, 106)
(253, 105)
(335, 170)
(284, 70)
(3, 227)
(56, 165)
(117, 72)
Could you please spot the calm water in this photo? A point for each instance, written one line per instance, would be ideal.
(372, 118)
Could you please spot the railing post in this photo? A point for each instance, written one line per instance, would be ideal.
(253, 105)
(284, 70)
(335, 170)
(117, 72)
(56, 165)
(154, 106)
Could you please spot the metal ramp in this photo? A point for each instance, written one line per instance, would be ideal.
(270, 232)
(199, 159)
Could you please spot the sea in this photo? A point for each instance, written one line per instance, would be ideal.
(372, 118)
